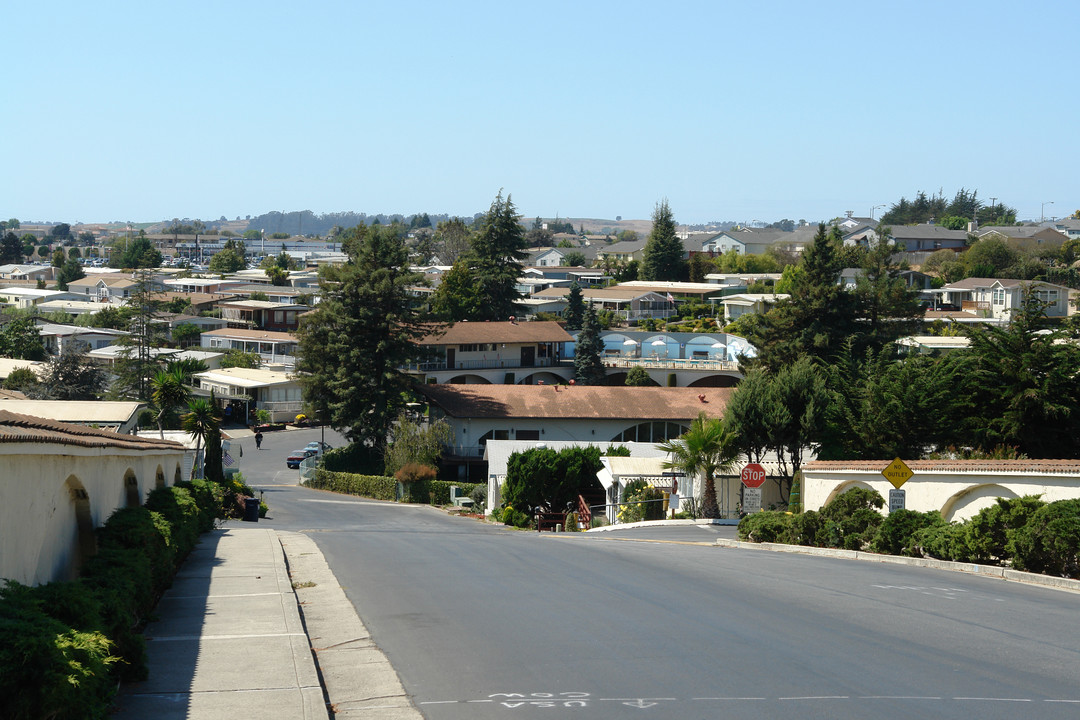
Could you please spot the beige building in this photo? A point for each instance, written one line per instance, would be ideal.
(62, 481)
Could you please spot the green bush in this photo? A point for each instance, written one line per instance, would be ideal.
(805, 528)
(1050, 541)
(377, 487)
(515, 517)
(895, 535)
(766, 526)
(354, 458)
(478, 495)
(992, 528)
(851, 520)
(950, 541)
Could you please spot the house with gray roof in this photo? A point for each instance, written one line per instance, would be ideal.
(996, 298)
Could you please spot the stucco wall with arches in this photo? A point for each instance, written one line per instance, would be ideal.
(54, 496)
(957, 489)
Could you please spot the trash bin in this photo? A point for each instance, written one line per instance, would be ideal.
(251, 509)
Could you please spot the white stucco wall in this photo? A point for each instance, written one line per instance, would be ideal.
(40, 515)
(957, 495)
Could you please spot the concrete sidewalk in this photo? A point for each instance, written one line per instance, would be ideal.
(228, 640)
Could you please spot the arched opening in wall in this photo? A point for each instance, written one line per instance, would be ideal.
(843, 488)
(85, 541)
(469, 380)
(159, 478)
(131, 489)
(720, 381)
(548, 378)
(968, 502)
(651, 432)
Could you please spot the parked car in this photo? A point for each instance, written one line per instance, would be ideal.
(318, 447)
(298, 456)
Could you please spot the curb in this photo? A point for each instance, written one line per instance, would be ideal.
(660, 523)
(1057, 583)
(357, 677)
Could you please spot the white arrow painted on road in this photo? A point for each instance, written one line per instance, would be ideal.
(639, 704)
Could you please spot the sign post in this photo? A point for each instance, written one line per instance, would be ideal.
(752, 477)
(897, 473)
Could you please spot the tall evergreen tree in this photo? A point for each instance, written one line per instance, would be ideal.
(11, 249)
(575, 308)
(662, 257)
(354, 345)
(588, 365)
(496, 258)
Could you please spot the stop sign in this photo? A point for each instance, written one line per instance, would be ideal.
(753, 475)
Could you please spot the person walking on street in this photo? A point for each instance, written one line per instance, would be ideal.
(258, 441)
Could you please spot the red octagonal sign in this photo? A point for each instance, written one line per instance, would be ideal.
(753, 475)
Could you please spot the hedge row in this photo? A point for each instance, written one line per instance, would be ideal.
(381, 487)
(378, 487)
(64, 646)
(1024, 533)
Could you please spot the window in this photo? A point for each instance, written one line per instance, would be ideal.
(527, 435)
(651, 432)
(999, 296)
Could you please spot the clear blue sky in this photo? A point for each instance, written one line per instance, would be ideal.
(745, 111)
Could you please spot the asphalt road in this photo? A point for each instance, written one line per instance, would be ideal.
(481, 621)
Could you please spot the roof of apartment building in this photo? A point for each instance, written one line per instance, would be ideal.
(1019, 467)
(20, 428)
(464, 333)
(578, 401)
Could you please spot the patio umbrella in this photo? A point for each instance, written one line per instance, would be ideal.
(658, 343)
(718, 346)
(630, 342)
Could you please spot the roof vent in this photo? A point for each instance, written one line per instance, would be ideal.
(701, 398)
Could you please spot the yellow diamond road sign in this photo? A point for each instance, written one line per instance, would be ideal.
(897, 473)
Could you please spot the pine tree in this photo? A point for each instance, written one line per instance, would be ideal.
(496, 258)
(575, 308)
(588, 365)
(354, 345)
(662, 257)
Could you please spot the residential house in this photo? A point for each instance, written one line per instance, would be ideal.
(272, 347)
(996, 298)
(927, 239)
(493, 352)
(621, 252)
(252, 389)
(119, 417)
(262, 314)
(9, 365)
(1069, 227)
(680, 291)
(735, 306)
(56, 336)
(198, 285)
(26, 272)
(628, 303)
(27, 297)
(1025, 236)
(478, 413)
(111, 288)
(62, 482)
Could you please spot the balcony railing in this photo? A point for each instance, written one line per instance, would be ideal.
(480, 364)
(671, 363)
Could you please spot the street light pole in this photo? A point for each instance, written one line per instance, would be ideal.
(873, 209)
(1042, 210)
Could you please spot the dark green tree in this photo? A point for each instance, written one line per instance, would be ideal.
(355, 343)
(542, 479)
(588, 363)
(136, 252)
(817, 318)
(20, 340)
(70, 271)
(886, 309)
(1030, 398)
(495, 258)
(662, 257)
(639, 377)
(457, 297)
(575, 308)
(451, 240)
(11, 249)
(70, 376)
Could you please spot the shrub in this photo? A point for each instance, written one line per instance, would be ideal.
(851, 519)
(949, 541)
(354, 458)
(805, 528)
(571, 522)
(992, 528)
(377, 487)
(517, 518)
(440, 491)
(766, 526)
(895, 534)
(479, 497)
(1050, 541)
(415, 479)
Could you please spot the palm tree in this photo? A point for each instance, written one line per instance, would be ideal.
(708, 447)
(201, 419)
(168, 392)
